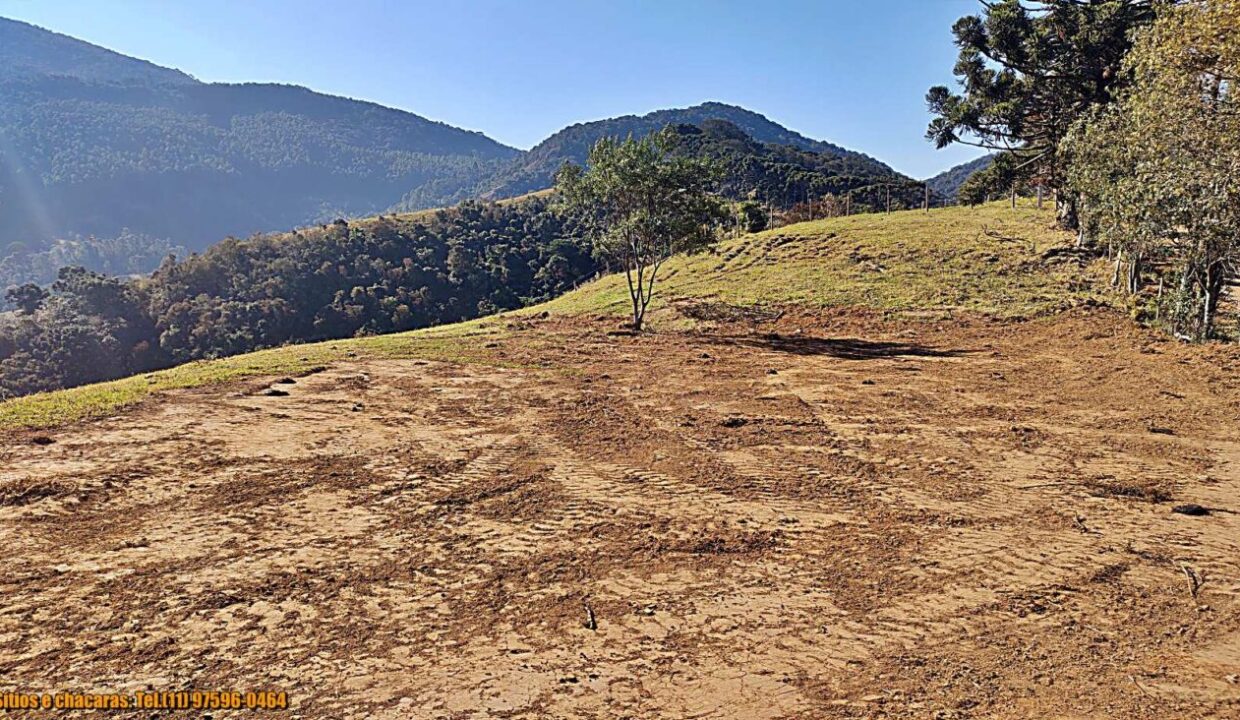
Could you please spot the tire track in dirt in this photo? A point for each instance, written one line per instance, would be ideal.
(397, 539)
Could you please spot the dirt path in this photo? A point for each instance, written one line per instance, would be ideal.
(828, 517)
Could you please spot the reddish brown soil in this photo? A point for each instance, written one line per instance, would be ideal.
(828, 516)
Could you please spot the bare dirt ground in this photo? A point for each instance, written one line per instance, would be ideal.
(825, 516)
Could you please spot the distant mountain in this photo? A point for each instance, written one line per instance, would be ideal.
(92, 142)
(782, 176)
(947, 184)
(95, 143)
(28, 52)
(536, 169)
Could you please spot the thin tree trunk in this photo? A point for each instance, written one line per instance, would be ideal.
(649, 293)
(633, 296)
(1212, 289)
(1066, 211)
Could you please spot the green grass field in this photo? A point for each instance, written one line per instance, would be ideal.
(983, 260)
(913, 260)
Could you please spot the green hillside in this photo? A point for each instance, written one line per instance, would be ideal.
(985, 260)
(97, 142)
(536, 169)
(783, 176)
(946, 185)
(989, 260)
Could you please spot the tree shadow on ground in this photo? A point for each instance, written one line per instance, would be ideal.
(843, 348)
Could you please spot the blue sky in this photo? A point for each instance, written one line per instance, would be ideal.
(854, 72)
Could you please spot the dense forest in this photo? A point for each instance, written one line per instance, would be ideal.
(96, 142)
(340, 280)
(781, 177)
(536, 169)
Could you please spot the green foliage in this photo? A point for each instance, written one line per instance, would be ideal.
(95, 141)
(92, 328)
(643, 205)
(752, 217)
(783, 177)
(380, 276)
(945, 187)
(1160, 168)
(1028, 70)
(27, 298)
(1005, 174)
(537, 169)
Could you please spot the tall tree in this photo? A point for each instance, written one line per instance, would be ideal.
(645, 205)
(1027, 71)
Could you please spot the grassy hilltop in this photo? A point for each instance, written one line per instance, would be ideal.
(989, 260)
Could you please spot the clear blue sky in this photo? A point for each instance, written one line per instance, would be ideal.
(854, 72)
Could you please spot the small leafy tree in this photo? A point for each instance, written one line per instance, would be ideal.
(642, 205)
(752, 217)
(1005, 175)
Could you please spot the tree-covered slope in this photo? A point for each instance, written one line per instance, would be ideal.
(941, 262)
(536, 169)
(377, 275)
(782, 176)
(94, 142)
(27, 51)
(946, 185)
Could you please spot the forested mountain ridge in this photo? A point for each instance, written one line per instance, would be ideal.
(100, 145)
(536, 169)
(946, 185)
(96, 142)
(782, 176)
(27, 52)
